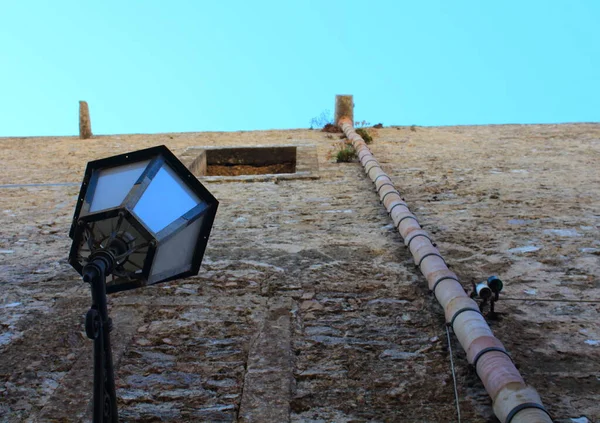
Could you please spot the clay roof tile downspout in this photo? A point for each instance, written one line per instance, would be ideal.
(513, 400)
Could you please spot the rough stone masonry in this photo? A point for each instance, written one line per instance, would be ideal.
(308, 308)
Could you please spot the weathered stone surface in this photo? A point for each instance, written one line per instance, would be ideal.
(480, 192)
(269, 370)
(67, 401)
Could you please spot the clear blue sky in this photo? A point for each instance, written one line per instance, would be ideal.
(176, 66)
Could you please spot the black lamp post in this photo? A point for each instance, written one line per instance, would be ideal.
(141, 218)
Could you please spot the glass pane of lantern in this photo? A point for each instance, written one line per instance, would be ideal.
(114, 184)
(177, 252)
(167, 198)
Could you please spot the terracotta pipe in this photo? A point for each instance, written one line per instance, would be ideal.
(513, 400)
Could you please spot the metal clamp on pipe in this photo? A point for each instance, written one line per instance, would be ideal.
(371, 168)
(416, 236)
(396, 204)
(369, 161)
(388, 193)
(443, 278)
(384, 184)
(487, 350)
(524, 406)
(382, 176)
(430, 255)
(408, 215)
(462, 310)
(366, 151)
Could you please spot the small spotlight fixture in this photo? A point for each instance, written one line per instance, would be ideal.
(495, 284)
(487, 292)
(483, 290)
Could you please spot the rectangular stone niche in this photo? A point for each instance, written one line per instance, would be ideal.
(254, 163)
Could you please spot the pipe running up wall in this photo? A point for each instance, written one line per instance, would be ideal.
(513, 400)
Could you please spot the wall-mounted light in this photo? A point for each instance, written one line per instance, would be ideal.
(483, 290)
(495, 284)
(487, 292)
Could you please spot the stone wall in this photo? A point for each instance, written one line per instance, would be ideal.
(308, 308)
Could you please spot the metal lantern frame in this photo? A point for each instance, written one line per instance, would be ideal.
(123, 214)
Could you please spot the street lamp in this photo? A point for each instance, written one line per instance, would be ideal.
(141, 218)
